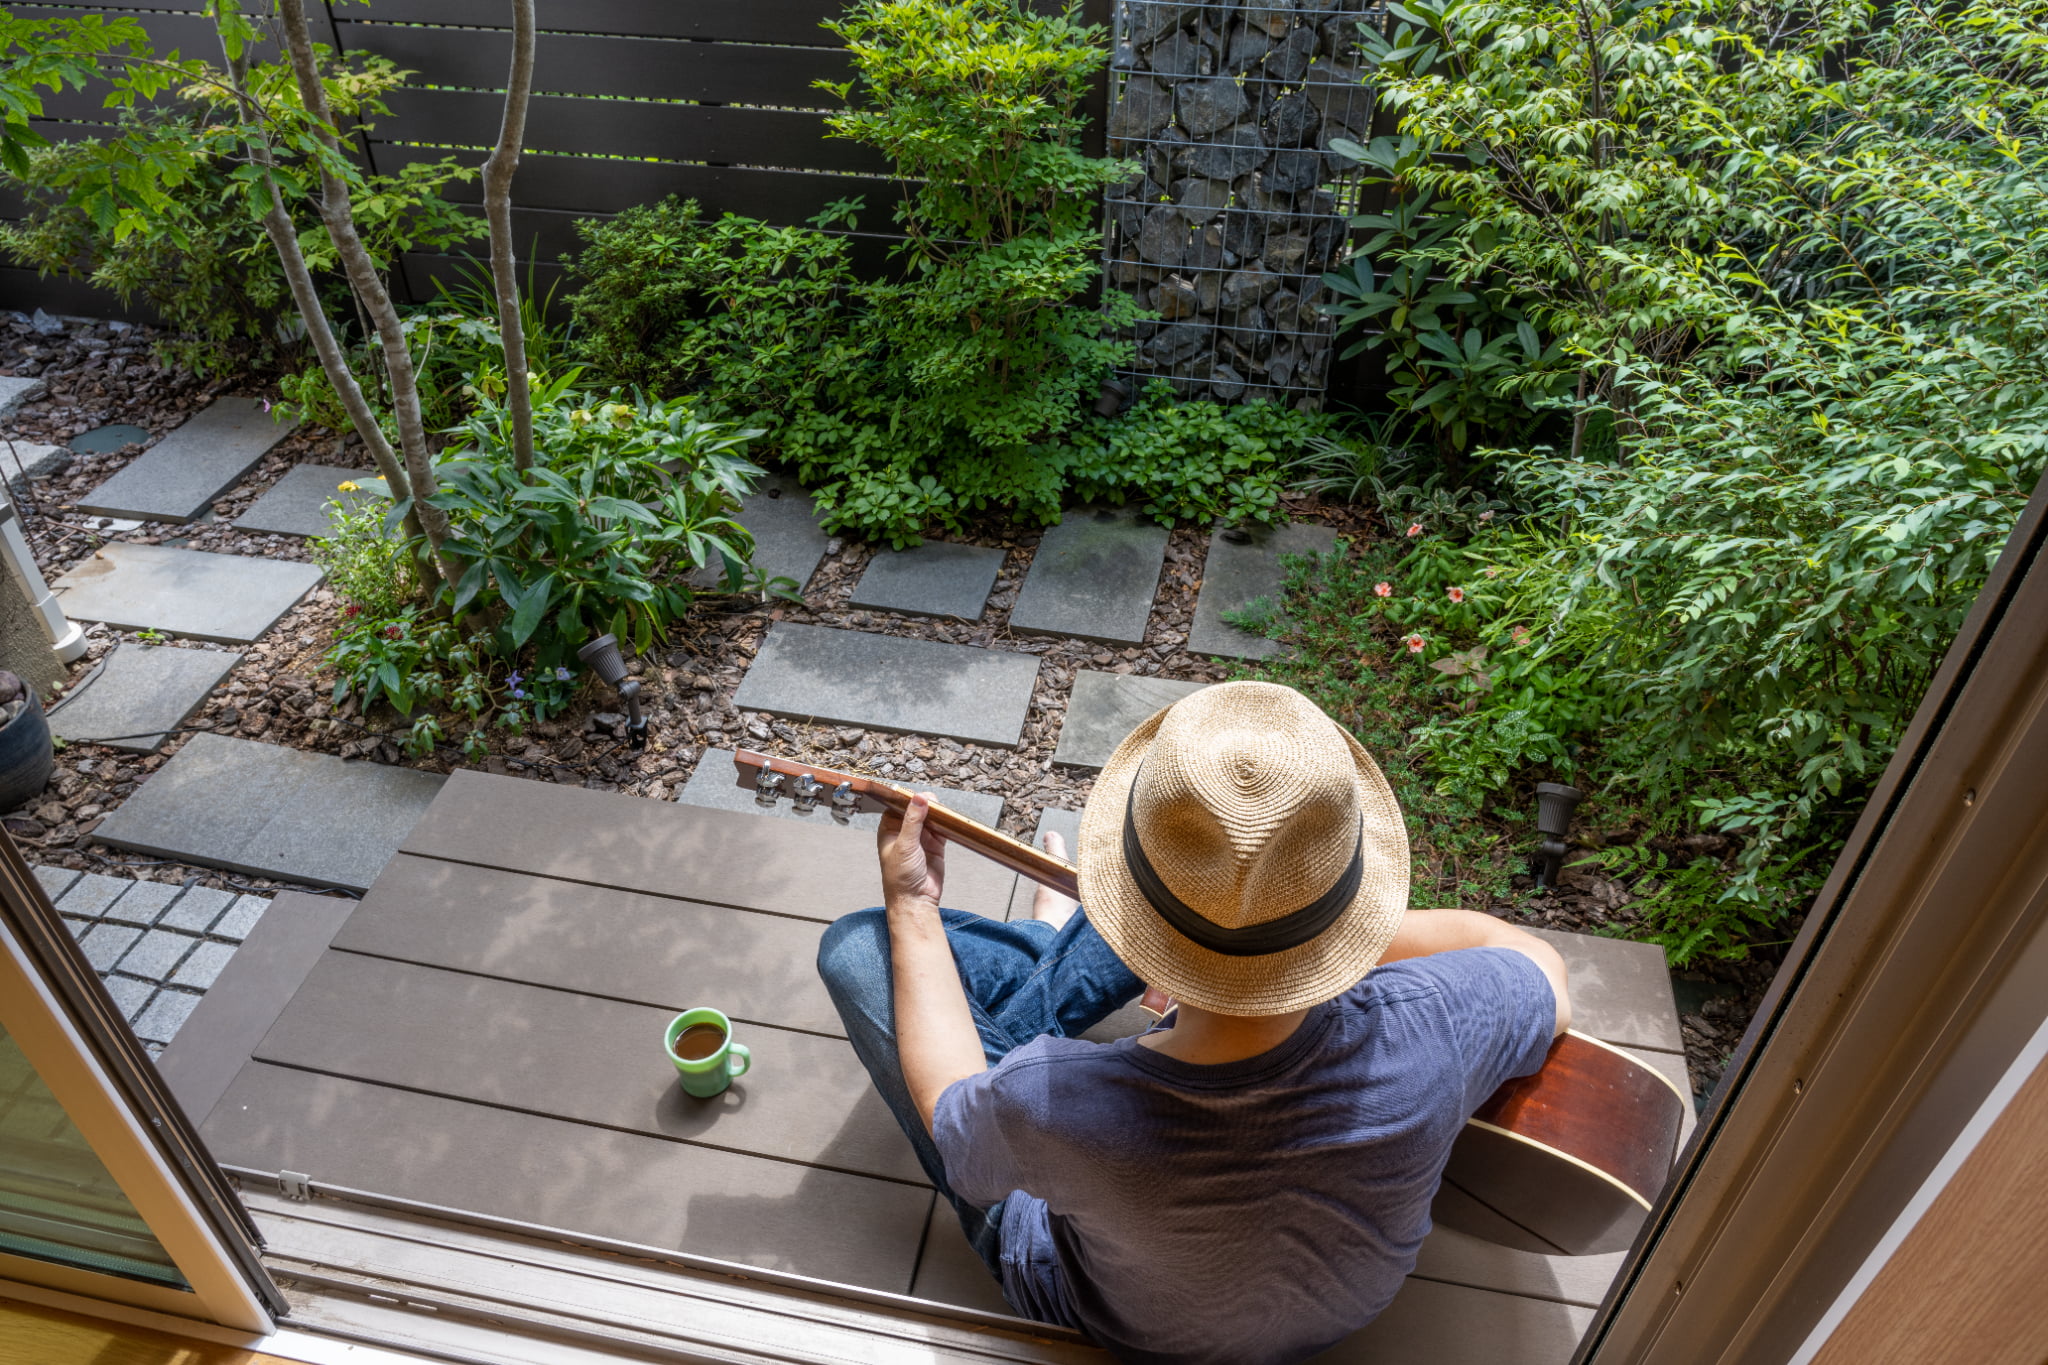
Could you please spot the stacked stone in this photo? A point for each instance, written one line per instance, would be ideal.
(1226, 232)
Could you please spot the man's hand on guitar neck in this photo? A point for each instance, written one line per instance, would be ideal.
(936, 1040)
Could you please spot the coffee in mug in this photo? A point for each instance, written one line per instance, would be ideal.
(699, 1041)
(700, 1045)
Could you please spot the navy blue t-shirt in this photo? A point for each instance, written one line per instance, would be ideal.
(1251, 1213)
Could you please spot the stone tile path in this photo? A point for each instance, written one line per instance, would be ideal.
(296, 505)
(979, 696)
(1105, 707)
(1241, 568)
(713, 784)
(140, 690)
(273, 811)
(158, 947)
(1094, 576)
(177, 478)
(230, 598)
(935, 579)
(23, 461)
(788, 542)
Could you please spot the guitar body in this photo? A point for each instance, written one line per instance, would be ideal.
(1564, 1162)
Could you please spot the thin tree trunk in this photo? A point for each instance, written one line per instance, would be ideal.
(284, 238)
(338, 214)
(498, 211)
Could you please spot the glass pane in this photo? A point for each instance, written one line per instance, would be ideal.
(57, 1202)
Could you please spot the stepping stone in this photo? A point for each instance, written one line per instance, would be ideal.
(788, 542)
(1239, 572)
(26, 460)
(1067, 822)
(15, 391)
(141, 691)
(1094, 576)
(296, 505)
(179, 477)
(1105, 707)
(105, 440)
(977, 696)
(713, 784)
(230, 598)
(275, 812)
(935, 579)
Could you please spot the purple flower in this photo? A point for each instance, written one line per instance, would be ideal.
(516, 678)
(562, 675)
(519, 693)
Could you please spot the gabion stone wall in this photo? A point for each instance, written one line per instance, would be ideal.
(1240, 206)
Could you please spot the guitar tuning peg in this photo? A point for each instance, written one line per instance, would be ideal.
(843, 802)
(767, 786)
(806, 790)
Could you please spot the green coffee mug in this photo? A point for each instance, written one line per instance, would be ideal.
(711, 1070)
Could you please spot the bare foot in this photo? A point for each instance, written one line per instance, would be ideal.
(1049, 905)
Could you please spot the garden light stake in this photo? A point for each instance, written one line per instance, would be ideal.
(604, 659)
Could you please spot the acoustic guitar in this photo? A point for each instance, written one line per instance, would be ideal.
(1563, 1162)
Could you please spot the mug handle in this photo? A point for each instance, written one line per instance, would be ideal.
(738, 1059)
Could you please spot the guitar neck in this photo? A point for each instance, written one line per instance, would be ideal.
(1015, 854)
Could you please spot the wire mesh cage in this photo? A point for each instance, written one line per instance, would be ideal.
(1240, 204)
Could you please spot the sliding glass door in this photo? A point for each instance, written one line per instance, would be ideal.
(105, 1190)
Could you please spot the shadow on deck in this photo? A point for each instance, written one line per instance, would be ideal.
(482, 1033)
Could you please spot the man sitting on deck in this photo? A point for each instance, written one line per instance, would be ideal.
(1250, 1180)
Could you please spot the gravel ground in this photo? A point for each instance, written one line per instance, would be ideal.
(105, 372)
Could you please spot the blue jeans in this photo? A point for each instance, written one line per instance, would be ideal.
(1023, 978)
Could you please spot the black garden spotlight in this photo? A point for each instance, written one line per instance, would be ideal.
(603, 657)
(1554, 803)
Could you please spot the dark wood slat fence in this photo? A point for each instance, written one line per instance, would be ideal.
(635, 100)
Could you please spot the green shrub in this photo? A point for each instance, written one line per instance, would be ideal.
(745, 314)
(628, 497)
(366, 559)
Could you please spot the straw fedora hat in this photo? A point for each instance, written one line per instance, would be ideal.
(1243, 853)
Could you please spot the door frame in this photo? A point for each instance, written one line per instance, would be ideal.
(60, 1015)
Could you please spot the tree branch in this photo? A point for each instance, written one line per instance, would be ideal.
(498, 212)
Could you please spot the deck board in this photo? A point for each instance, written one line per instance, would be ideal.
(627, 945)
(583, 1059)
(721, 857)
(678, 1196)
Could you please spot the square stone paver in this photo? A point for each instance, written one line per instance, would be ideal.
(979, 696)
(196, 910)
(714, 783)
(140, 690)
(1104, 707)
(179, 477)
(203, 967)
(1094, 576)
(105, 943)
(156, 955)
(91, 894)
(141, 904)
(788, 542)
(935, 579)
(240, 922)
(230, 598)
(161, 1021)
(16, 390)
(130, 995)
(1239, 572)
(273, 811)
(56, 881)
(296, 505)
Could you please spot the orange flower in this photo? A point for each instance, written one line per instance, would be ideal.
(1383, 590)
(1457, 594)
(1415, 528)
(1415, 644)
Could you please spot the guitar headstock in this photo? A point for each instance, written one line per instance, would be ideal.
(807, 787)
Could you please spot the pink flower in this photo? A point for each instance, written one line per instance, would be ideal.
(1487, 515)
(1457, 594)
(1414, 643)
(266, 405)
(1520, 634)
(1415, 529)
(1383, 590)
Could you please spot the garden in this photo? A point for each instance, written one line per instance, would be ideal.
(1667, 387)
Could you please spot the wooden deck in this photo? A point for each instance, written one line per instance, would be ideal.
(482, 1032)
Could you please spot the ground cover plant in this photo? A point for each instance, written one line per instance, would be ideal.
(1796, 266)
